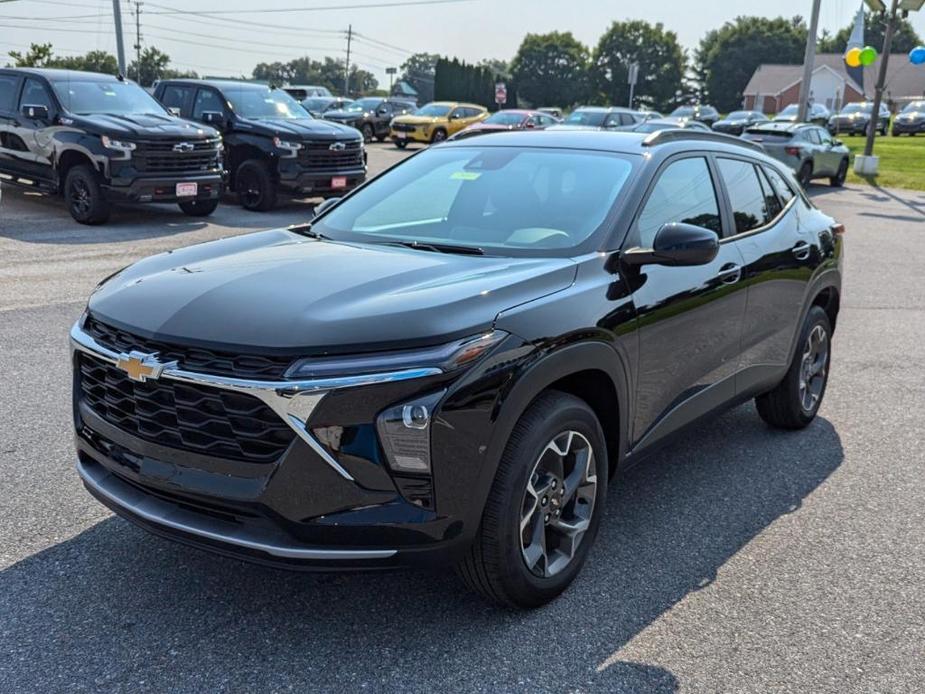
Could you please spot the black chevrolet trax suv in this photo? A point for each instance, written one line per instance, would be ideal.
(99, 139)
(450, 364)
(272, 144)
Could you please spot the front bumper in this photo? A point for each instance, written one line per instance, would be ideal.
(163, 188)
(905, 127)
(417, 133)
(313, 508)
(296, 178)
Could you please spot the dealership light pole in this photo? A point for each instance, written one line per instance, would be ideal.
(809, 62)
(120, 46)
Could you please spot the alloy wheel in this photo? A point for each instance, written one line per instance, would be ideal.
(813, 368)
(249, 188)
(80, 196)
(558, 504)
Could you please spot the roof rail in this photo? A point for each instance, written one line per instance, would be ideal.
(662, 137)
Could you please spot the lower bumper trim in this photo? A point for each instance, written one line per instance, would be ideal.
(161, 513)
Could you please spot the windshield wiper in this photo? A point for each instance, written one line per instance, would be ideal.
(306, 230)
(438, 247)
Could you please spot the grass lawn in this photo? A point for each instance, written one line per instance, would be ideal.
(902, 161)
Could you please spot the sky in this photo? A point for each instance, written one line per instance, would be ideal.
(232, 43)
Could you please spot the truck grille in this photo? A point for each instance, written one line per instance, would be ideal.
(320, 156)
(205, 361)
(189, 417)
(403, 127)
(156, 157)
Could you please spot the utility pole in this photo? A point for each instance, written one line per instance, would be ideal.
(347, 71)
(120, 46)
(809, 62)
(881, 80)
(138, 41)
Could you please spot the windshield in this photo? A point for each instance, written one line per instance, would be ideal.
(595, 118)
(683, 112)
(791, 110)
(318, 103)
(914, 106)
(363, 105)
(251, 102)
(502, 118)
(653, 126)
(739, 115)
(504, 200)
(858, 108)
(433, 110)
(89, 97)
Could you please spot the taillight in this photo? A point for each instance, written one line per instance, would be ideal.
(792, 151)
(838, 229)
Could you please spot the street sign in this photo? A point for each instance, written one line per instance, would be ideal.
(500, 93)
(633, 76)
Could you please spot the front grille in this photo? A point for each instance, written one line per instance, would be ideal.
(205, 361)
(403, 127)
(320, 156)
(189, 417)
(157, 157)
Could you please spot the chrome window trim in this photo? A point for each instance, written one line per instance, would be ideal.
(292, 400)
(163, 513)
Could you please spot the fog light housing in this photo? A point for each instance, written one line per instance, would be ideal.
(404, 432)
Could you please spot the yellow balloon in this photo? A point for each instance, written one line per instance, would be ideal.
(853, 57)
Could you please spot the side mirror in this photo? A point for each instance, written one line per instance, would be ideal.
(35, 111)
(837, 143)
(213, 118)
(530, 124)
(676, 245)
(326, 205)
(174, 111)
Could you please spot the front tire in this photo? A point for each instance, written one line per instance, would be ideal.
(198, 208)
(367, 132)
(438, 136)
(84, 196)
(805, 175)
(793, 404)
(255, 187)
(545, 506)
(401, 144)
(838, 180)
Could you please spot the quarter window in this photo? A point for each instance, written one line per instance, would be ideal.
(749, 206)
(771, 201)
(781, 187)
(684, 193)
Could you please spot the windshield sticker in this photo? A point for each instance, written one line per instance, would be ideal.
(465, 176)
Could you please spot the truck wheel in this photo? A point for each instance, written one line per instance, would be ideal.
(793, 404)
(254, 186)
(401, 144)
(438, 136)
(381, 138)
(84, 196)
(199, 208)
(544, 508)
(367, 132)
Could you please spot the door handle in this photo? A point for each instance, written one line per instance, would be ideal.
(801, 251)
(730, 273)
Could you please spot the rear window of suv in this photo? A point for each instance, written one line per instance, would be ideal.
(7, 92)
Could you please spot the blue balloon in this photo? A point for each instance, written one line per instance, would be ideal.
(917, 55)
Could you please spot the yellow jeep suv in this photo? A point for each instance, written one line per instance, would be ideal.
(435, 122)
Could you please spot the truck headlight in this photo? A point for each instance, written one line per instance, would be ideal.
(291, 148)
(124, 148)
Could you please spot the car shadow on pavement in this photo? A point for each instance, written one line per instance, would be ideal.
(116, 608)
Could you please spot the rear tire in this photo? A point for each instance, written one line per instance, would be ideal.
(838, 180)
(805, 175)
(401, 144)
(793, 404)
(198, 208)
(544, 508)
(438, 136)
(83, 193)
(255, 187)
(367, 132)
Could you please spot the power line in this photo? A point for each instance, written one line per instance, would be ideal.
(321, 8)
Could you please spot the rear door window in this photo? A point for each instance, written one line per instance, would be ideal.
(207, 100)
(685, 193)
(8, 85)
(35, 94)
(179, 98)
(746, 196)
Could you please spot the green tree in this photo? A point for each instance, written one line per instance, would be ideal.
(727, 57)
(275, 73)
(418, 71)
(905, 37)
(662, 64)
(38, 55)
(551, 69)
(94, 61)
(152, 66)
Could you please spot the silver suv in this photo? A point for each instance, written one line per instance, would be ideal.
(809, 150)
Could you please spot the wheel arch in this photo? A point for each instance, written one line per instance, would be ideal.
(242, 153)
(70, 158)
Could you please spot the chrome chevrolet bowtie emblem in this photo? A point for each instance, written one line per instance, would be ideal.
(141, 367)
(337, 147)
(184, 147)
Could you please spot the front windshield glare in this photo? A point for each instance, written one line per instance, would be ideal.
(857, 108)
(265, 103)
(504, 200)
(88, 97)
(432, 111)
(364, 105)
(502, 118)
(593, 118)
(915, 106)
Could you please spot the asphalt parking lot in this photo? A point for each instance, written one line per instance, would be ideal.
(739, 559)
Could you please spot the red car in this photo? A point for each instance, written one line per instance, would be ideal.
(509, 119)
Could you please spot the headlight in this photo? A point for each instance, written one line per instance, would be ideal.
(125, 148)
(291, 148)
(446, 358)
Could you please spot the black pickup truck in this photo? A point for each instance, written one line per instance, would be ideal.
(272, 144)
(98, 139)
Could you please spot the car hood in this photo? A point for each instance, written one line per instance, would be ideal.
(302, 129)
(912, 115)
(143, 126)
(418, 120)
(494, 126)
(728, 121)
(346, 115)
(279, 292)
